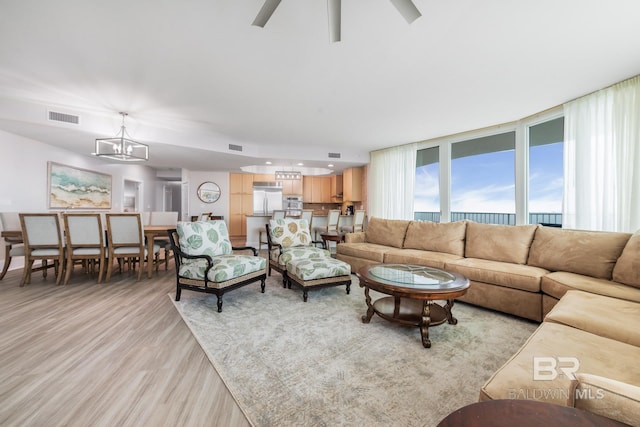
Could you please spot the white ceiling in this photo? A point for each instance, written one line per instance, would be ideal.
(195, 76)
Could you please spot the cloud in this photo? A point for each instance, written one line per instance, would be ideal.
(427, 189)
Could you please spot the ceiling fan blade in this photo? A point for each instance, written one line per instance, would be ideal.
(265, 13)
(334, 11)
(407, 9)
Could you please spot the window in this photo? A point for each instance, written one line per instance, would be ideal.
(427, 185)
(546, 172)
(483, 179)
(514, 176)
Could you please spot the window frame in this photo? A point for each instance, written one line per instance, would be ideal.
(521, 129)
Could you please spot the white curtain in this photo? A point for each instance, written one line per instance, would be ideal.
(602, 159)
(391, 176)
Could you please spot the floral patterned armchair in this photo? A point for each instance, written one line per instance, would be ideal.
(205, 261)
(290, 239)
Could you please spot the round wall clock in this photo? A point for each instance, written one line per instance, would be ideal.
(209, 192)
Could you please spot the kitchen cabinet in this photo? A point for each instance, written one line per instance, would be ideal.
(306, 189)
(292, 187)
(326, 189)
(352, 185)
(268, 177)
(317, 189)
(240, 183)
(336, 188)
(240, 202)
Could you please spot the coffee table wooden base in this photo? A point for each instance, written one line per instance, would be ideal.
(410, 312)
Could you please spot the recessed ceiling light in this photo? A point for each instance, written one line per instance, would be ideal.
(268, 162)
(329, 165)
(300, 164)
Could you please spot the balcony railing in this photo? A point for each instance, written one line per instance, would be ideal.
(550, 219)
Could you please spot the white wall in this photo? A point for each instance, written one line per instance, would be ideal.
(23, 174)
(193, 179)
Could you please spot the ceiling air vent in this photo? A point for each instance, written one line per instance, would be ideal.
(234, 147)
(64, 117)
(334, 155)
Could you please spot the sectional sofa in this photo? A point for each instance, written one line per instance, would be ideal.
(585, 285)
(521, 270)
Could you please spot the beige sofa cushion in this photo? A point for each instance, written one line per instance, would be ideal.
(610, 398)
(604, 316)
(591, 253)
(558, 283)
(445, 237)
(627, 268)
(358, 237)
(516, 276)
(418, 257)
(368, 251)
(388, 232)
(595, 354)
(507, 243)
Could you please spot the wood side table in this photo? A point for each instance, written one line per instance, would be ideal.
(332, 236)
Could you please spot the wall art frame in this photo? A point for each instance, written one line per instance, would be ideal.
(70, 187)
(208, 192)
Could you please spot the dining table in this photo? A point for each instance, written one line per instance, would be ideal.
(150, 234)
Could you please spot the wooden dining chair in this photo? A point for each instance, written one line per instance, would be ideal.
(125, 240)
(42, 241)
(13, 246)
(169, 219)
(84, 237)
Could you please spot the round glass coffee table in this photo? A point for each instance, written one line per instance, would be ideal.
(413, 291)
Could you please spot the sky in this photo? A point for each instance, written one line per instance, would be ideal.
(486, 182)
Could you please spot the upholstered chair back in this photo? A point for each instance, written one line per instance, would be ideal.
(84, 229)
(163, 218)
(9, 221)
(290, 232)
(204, 238)
(332, 220)
(125, 229)
(41, 229)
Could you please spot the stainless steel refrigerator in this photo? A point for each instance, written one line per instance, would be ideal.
(267, 197)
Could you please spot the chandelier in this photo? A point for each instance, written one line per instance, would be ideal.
(282, 175)
(121, 147)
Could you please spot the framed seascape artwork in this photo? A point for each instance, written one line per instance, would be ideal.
(75, 188)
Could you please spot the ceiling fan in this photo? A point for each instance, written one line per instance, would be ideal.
(334, 11)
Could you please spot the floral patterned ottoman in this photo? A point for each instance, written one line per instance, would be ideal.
(318, 273)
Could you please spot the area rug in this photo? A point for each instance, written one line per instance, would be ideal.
(291, 363)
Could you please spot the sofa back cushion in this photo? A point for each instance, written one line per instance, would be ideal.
(506, 243)
(591, 253)
(447, 237)
(388, 232)
(627, 268)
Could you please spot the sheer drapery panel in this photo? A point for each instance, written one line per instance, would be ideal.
(602, 159)
(391, 182)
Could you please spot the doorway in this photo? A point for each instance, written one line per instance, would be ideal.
(132, 196)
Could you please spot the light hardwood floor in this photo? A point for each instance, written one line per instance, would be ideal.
(114, 354)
